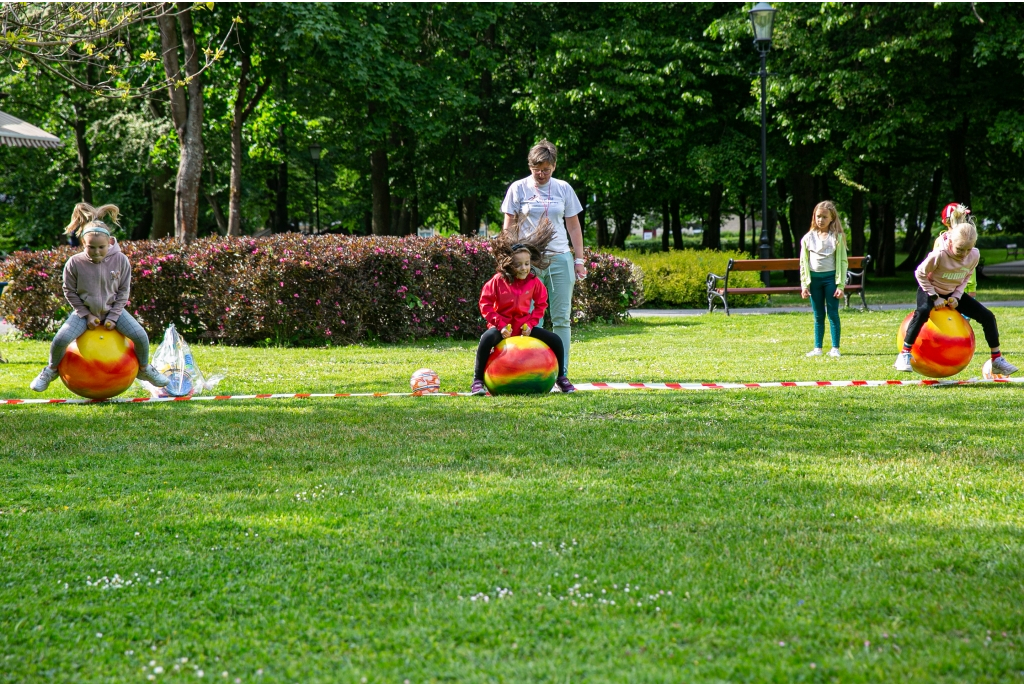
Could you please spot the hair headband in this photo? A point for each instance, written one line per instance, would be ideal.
(519, 246)
(96, 228)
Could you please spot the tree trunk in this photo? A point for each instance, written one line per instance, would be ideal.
(469, 220)
(923, 244)
(959, 178)
(414, 216)
(242, 110)
(218, 215)
(875, 238)
(140, 231)
(712, 237)
(380, 189)
(857, 219)
(888, 257)
(187, 115)
(666, 225)
(84, 154)
(677, 226)
(282, 223)
(601, 221)
(801, 205)
(789, 240)
(163, 206)
(623, 227)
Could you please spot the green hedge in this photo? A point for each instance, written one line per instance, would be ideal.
(679, 278)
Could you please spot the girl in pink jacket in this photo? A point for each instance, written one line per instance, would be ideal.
(942, 278)
(97, 282)
(506, 299)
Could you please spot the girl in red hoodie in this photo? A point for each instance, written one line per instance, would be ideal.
(505, 299)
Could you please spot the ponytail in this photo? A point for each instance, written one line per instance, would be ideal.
(960, 214)
(85, 215)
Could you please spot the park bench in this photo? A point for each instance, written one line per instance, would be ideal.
(1011, 251)
(719, 290)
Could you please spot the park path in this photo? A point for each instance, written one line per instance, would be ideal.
(639, 313)
(1005, 269)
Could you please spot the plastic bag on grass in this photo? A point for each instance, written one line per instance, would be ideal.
(174, 359)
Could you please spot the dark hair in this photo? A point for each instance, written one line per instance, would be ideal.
(515, 239)
(544, 151)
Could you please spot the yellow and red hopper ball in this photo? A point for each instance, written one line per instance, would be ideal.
(945, 345)
(99, 365)
(520, 365)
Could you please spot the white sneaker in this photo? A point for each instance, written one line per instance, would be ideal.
(903, 362)
(47, 376)
(153, 377)
(1000, 365)
(834, 352)
(816, 352)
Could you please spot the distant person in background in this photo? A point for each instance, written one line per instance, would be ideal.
(540, 196)
(823, 265)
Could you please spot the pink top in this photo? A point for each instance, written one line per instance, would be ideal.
(941, 273)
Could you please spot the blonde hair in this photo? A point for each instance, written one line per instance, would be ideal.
(85, 216)
(963, 234)
(511, 240)
(544, 151)
(835, 226)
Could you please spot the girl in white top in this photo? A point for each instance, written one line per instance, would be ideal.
(823, 265)
(540, 196)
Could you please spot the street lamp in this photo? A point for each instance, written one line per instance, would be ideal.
(314, 153)
(762, 19)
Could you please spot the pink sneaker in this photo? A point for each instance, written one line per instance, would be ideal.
(564, 385)
(478, 388)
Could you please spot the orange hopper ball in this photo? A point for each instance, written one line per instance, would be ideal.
(99, 365)
(945, 345)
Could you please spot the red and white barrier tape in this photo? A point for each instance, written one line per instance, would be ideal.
(581, 387)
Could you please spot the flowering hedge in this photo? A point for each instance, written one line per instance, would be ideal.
(305, 290)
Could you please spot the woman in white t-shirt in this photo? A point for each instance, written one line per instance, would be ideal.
(540, 196)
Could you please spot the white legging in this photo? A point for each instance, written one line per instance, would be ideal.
(76, 325)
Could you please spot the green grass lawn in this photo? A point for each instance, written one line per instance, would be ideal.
(830, 534)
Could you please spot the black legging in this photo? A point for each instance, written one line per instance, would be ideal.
(968, 306)
(492, 337)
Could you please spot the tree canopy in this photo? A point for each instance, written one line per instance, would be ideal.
(425, 113)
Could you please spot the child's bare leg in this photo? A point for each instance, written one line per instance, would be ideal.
(68, 333)
(130, 328)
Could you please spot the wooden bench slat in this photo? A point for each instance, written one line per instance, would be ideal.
(781, 264)
(774, 290)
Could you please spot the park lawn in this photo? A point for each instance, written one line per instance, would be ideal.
(791, 534)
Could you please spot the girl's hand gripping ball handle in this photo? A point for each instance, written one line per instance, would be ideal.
(506, 331)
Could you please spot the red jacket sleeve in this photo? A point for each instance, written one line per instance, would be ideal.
(540, 302)
(489, 306)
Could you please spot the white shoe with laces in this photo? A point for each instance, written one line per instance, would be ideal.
(903, 362)
(152, 376)
(834, 353)
(43, 380)
(1000, 365)
(816, 352)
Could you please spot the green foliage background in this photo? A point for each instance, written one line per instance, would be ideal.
(654, 108)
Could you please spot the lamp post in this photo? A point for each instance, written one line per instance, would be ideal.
(314, 153)
(762, 18)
